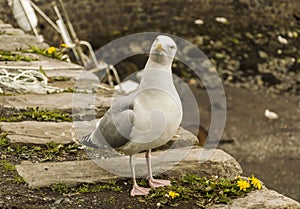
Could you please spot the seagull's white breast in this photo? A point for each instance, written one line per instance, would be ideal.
(158, 116)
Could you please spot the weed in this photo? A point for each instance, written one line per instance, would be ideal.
(37, 114)
(111, 200)
(60, 188)
(205, 191)
(11, 56)
(83, 189)
(7, 165)
(51, 52)
(4, 142)
(18, 179)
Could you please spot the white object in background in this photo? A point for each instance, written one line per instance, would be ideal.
(282, 40)
(199, 22)
(221, 20)
(270, 115)
(127, 86)
(64, 34)
(24, 14)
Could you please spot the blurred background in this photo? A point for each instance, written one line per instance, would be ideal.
(254, 45)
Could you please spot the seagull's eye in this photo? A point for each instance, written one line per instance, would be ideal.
(172, 47)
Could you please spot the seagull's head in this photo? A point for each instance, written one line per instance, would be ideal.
(163, 48)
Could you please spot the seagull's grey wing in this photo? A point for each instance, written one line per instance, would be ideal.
(114, 127)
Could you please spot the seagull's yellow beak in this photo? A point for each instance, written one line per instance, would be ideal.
(159, 47)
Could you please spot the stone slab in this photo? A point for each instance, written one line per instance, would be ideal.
(261, 199)
(33, 132)
(15, 42)
(61, 101)
(173, 162)
(43, 62)
(63, 73)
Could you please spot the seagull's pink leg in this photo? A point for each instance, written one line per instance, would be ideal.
(154, 182)
(136, 189)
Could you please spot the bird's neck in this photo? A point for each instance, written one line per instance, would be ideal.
(159, 62)
(157, 76)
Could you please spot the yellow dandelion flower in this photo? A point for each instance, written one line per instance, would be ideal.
(51, 50)
(243, 184)
(255, 182)
(173, 194)
(63, 45)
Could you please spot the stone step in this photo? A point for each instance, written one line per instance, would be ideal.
(260, 199)
(17, 41)
(174, 162)
(13, 39)
(45, 63)
(33, 132)
(61, 101)
(63, 73)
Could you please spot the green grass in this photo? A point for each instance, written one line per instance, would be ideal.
(11, 56)
(7, 166)
(4, 142)
(18, 179)
(37, 114)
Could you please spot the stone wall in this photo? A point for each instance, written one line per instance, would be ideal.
(99, 21)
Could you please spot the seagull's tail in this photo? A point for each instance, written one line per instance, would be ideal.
(87, 141)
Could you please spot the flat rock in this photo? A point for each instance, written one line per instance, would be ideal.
(69, 73)
(260, 199)
(45, 63)
(33, 132)
(61, 101)
(13, 42)
(173, 162)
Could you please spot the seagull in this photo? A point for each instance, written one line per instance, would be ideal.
(144, 119)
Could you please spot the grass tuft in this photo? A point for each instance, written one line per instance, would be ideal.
(37, 114)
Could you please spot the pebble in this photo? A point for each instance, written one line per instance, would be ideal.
(262, 54)
(199, 22)
(271, 115)
(222, 20)
(193, 82)
(59, 201)
(198, 40)
(282, 40)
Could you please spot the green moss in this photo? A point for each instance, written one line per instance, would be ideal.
(45, 152)
(11, 56)
(62, 188)
(4, 142)
(7, 165)
(37, 114)
(18, 179)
